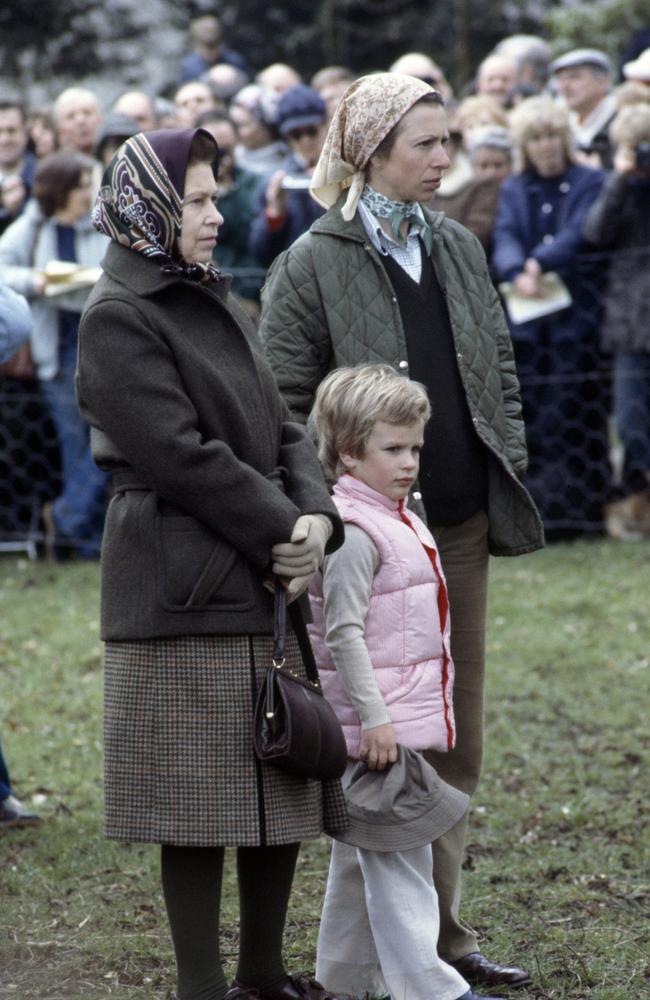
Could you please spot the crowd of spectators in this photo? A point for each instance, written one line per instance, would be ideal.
(550, 169)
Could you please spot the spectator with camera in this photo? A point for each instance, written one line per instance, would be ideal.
(619, 222)
(284, 208)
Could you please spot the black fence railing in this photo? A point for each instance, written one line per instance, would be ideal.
(587, 418)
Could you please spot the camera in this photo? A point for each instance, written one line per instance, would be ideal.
(642, 157)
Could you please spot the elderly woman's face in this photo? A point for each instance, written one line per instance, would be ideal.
(201, 218)
(545, 151)
(413, 169)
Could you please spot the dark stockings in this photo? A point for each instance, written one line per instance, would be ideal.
(191, 879)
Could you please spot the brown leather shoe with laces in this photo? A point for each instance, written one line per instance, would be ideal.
(480, 971)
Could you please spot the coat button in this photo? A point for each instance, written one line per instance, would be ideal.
(417, 495)
(565, 187)
(547, 207)
(548, 239)
(474, 420)
(393, 298)
(459, 356)
(403, 365)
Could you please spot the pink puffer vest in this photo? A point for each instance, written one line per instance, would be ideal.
(407, 626)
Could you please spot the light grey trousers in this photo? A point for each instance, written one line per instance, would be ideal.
(379, 929)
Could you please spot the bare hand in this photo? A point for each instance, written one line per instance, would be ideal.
(529, 282)
(379, 747)
(13, 194)
(624, 160)
(276, 198)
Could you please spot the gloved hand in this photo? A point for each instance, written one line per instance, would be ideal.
(299, 558)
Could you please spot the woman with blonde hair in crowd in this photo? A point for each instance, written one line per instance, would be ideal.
(538, 230)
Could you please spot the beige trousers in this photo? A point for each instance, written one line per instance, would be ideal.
(464, 556)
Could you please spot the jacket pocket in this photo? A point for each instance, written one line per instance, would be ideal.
(198, 571)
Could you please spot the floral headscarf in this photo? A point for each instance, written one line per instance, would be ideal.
(368, 110)
(140, 202)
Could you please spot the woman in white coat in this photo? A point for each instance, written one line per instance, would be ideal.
(56, 227)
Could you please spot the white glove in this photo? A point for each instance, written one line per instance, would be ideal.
(300, 558)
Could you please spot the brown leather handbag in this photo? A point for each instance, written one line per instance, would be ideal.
(295, 728)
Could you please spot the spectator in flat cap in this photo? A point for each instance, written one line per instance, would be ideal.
(583, 78)
(285, 208)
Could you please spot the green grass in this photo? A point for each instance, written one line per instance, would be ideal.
(557, 874)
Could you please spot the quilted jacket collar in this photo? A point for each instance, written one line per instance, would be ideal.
(332, 223)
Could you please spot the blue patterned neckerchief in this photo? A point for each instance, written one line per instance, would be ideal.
(398, 212)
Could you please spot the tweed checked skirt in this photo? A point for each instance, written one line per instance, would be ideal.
(179, 766)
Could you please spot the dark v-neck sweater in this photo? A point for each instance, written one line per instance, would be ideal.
(453, 463)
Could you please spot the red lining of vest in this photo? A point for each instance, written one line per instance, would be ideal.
(443, 611)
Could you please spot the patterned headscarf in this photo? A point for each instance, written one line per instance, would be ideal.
(368, 110)
(140, 202)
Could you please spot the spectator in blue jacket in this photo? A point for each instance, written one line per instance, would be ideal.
(283, 206)
(538, 229)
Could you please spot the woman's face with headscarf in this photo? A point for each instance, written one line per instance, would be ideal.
(201, 218)
(413, 168)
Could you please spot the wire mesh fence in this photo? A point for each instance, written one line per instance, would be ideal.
(587, 418)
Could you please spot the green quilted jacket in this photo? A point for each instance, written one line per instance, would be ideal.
(328, 302)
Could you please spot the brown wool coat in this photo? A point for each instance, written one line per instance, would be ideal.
(210, 470)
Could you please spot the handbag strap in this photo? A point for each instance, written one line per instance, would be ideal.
(299, 627)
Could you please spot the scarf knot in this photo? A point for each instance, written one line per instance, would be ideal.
(398, 212)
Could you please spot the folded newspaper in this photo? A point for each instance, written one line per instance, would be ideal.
(522, 309)
(64, 276)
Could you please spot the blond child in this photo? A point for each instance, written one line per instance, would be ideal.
(381, 639)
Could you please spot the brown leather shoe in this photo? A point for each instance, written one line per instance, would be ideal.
(480, 971)
(295, 987)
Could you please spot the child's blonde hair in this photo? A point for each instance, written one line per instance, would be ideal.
(350, 401)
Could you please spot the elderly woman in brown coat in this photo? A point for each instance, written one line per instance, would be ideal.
(217, 492)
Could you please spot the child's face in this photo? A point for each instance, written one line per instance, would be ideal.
(391, 459)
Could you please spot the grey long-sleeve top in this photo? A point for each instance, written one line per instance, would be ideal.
(347, 584)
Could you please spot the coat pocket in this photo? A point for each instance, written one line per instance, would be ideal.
(198, 570)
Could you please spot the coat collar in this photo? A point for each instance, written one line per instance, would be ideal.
(144, 277)
(332, 223)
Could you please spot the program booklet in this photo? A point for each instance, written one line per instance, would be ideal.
(522, 309)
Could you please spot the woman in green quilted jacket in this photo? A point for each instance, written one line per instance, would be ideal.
(380, 278)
